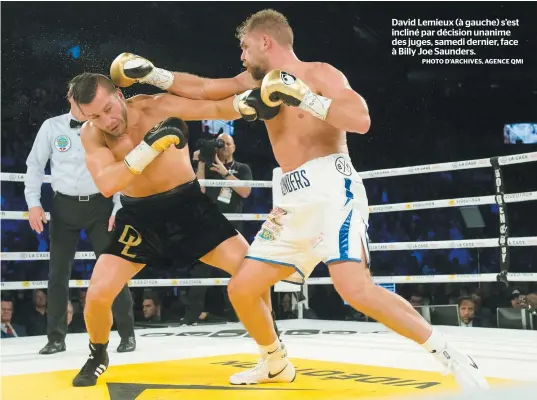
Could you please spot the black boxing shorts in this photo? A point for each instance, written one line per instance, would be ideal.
(179, 226)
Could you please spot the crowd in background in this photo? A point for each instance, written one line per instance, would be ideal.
(424, 126)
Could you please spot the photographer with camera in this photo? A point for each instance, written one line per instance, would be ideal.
(215, 161)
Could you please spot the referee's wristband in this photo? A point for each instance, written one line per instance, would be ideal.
(228, 174)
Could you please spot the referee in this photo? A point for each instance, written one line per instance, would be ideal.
(76, 205)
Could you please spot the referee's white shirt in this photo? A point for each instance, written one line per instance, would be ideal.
(58, 142)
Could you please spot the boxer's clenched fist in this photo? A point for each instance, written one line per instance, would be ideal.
(171, 131)
(128, 69)
(251, 107)
(281, 87)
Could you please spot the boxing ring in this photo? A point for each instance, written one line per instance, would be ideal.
(334, 359)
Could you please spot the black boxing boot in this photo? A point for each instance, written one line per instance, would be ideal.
(95, 366)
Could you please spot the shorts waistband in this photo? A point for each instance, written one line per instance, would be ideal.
(317, 160)
(184, 189)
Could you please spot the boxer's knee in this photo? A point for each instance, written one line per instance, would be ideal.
(99, 295)
(237, 290)
(109, 277)
(103, 290)
(229, 255)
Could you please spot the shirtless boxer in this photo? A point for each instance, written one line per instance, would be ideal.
(137, 146)
(321, 209)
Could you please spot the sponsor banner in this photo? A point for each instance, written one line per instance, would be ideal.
(472, 201)
(14, 177)
(246, 217)
(422, 204)
(381, 173)
(476, 243)
(85, 255)
(523, 241)
(517, 158)
(42, 255)
(382, 208)
(516, 197)
(441, 244)
(24, 285)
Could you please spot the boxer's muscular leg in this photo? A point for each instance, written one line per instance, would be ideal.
(353, 282)
(229, 256)
(245, 291)
(109, 276)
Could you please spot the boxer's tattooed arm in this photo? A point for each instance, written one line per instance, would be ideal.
(168, 105)
(198, 88)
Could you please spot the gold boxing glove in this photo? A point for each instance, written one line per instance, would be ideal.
(251, 107)
(247, 112)
(128, 69)
(281, 87)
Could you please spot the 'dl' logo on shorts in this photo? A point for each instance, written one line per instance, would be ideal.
(62, 143)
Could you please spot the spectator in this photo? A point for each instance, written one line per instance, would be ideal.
(514, 298)
(467, 313)
(82, 299)
(416, 300)
(151, 307)
(9, 329)
(484, 315)
(288, 311)
(77, 204)
(36, 319)
(532, 301)
(75, 322)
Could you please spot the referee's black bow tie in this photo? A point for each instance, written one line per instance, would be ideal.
(75, 124)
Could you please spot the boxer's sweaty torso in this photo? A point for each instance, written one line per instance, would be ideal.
(297, 136)
(169, 170)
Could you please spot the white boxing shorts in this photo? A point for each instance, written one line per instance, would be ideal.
(320, 214)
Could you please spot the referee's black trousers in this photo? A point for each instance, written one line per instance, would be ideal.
(68, 217)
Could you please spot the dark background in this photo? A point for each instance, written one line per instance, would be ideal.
(420, 114)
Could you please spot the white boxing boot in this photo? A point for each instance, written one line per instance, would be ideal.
(463, 367)
(272, 367)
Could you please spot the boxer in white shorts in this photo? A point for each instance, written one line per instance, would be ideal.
(308, 108)
(320, 214)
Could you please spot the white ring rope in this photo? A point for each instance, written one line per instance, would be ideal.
(418, 205)
(22, 215)
(512, 276)
(380, 173)
(432, 245)
(447, 244)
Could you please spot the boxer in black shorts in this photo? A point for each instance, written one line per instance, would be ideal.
(138, 147)
(181, 225)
